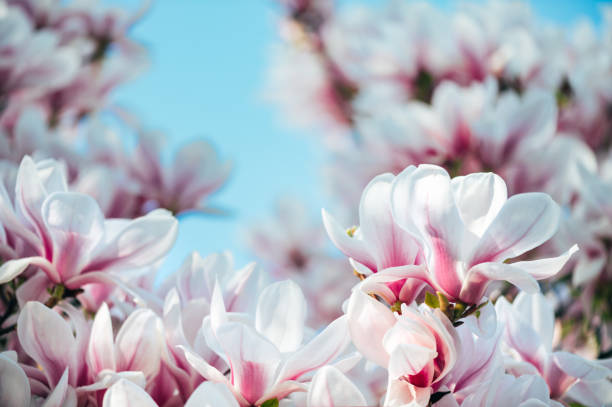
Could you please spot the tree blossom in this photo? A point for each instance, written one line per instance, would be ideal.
(529, 327)
(69, 238)
(266, 354)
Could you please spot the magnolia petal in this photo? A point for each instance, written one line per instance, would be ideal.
(479, 277)
(545, 268)
(13, 268)
(13, 377)
(580, 368)
(124, 393)
(63, 395)
(48, 339)
(389, 244)
(210, 394)
(523, 223)
(368, 322)
(536, 311)
(139, 343)
(280, 315)
(321, 350)
(139, 243)
(348, 245)
(331, 388)
(253, 359)
(409, 359)
(479, 198)
(101, 350)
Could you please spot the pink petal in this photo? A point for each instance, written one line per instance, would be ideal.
(139, 343)
(101, 350)
(350, 246)
(210, 394)
(13, 377)
(48, 339)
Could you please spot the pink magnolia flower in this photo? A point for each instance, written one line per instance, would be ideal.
(419, 347)
(68, 236)
(266, 356)
(73, 359)
(195, 173)
(528, 337)
(468, 228)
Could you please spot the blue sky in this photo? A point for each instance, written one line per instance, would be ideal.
(208, 65)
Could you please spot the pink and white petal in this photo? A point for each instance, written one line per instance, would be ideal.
(281, 390)
(210, 394)
(331, 388)
(580, 368)
(63, 394)
(407, 359)
(321, 350)
(253, 359)
(591, 393)
(139, 343)
(13, 268)
(479, 198)
(9, 220)
(75, 225)
(350, 246)
(387, 243)
(523, 223)
(368, 322)
(423, 204)
(33, 289)
(101, 349)
(48, 339)
(479, 277)
(401, 283)
(545, 268)
(280, 315)
(124, 393)
(141, 242)
(13, 378)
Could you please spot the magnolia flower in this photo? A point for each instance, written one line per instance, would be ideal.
(195, 173)
(467, 229)
(454, 235)
(419, 347)
(125, 393)
(528, 336)
(70, 240)
(267, 358)
(74, 358)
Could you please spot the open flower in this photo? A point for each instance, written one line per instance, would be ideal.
(528, 337)
(419, 347)
(69, 238)
(267, 357)
(468, 229)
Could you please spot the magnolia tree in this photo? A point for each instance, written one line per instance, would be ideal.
(468, 155)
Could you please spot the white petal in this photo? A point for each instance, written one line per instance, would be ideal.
(101, 350)
(280, 315)
(210, 394)
(331, 388)
(12, 377)
(124, 393)
(139, 343)
(524, 222)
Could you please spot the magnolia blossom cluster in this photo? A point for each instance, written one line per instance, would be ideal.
(60, 62)
(84, 324)
(486, 87)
